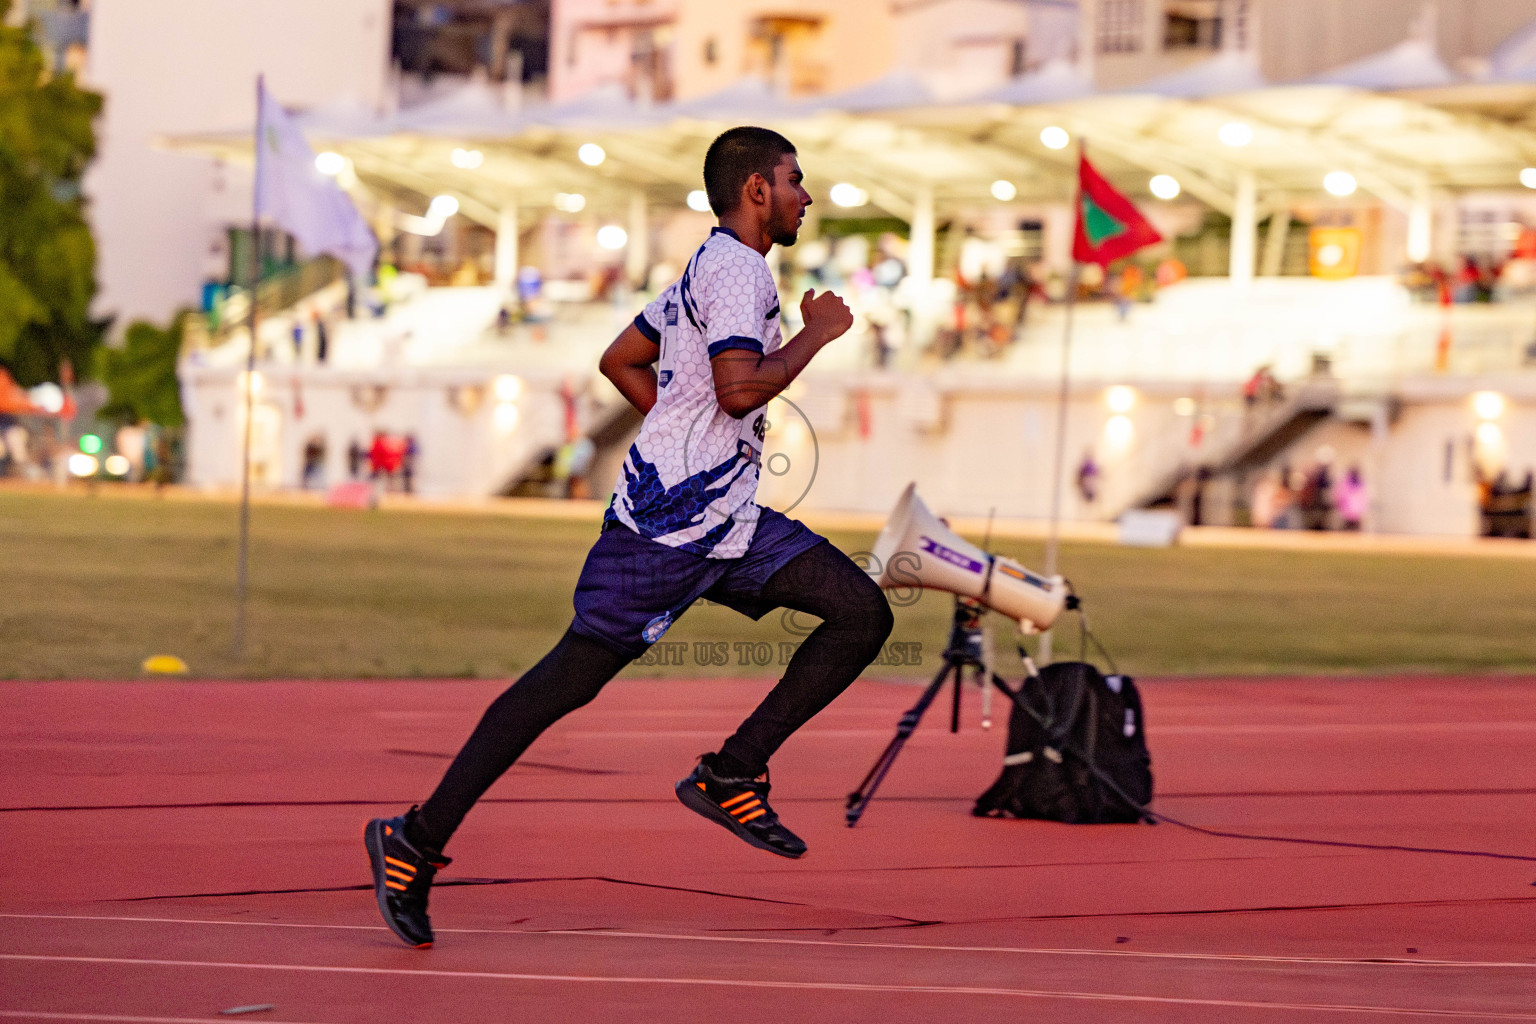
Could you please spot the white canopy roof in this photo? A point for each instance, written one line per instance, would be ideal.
(1452, 137)
(1411, 64)
(1515, 58)
(895, 91)
(1228, 72)
(1054, 82)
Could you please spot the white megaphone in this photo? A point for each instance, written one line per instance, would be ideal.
(916, 549)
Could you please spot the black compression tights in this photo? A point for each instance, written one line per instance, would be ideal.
(822, 581)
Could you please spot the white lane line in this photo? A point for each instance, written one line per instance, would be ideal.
(1143, 954)
(762, 941)
(52, 1015)
(1256, 729)
(1342, 727)
(813, 986)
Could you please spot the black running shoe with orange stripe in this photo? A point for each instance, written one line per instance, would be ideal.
(740, 805)
(402, 877)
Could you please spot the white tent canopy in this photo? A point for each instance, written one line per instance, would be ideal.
(937, 159)
(475, 111)
(749, 99)
(347, 118)
(1411, 64)
(895, 91)
(1054, 82)
(1515, 58)
(1231, 71)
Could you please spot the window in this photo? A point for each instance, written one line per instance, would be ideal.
(1120, 26)
(1192, 25)
(788, 49)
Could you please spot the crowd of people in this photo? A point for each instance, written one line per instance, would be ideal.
(1478, 278)
(1505, 505)
(1311, 499)
(388, 459)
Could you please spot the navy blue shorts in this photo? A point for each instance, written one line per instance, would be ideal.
(633, 588)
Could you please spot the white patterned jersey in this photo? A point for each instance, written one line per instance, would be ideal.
(691, 475)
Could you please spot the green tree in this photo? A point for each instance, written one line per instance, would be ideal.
(47, 256)
(141, 376)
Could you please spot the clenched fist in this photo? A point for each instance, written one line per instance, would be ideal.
(826, 314)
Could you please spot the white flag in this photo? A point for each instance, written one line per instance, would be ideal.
(295, 196)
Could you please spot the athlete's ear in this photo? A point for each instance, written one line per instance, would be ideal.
(756, 188)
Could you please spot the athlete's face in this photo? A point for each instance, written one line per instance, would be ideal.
(787, 201)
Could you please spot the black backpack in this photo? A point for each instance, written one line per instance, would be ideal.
(1077, 750)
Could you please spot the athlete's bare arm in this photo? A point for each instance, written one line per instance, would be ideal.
(630, 364)
(746, 380)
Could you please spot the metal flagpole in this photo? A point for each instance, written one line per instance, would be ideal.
(243, 556)
(1053, 538)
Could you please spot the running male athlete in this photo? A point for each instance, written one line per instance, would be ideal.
(701, 362)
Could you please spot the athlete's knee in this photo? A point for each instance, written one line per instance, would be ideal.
(867, 609)
(571, 675)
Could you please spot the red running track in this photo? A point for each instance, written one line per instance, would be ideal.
(173, 849)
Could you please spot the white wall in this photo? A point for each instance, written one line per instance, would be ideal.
(174, 66)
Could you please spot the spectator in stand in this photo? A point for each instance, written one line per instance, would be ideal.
(1170, 272)
(1088, 478)
(408, 453)
(314, 462)
(355, 456)
(381, 458)
(1351, 499)
(322, 340)
(1197, 511)
(1315, 500)
(1264, 508)
(1470, 285)
(1288, 498)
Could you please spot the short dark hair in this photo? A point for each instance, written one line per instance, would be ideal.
(735, 156)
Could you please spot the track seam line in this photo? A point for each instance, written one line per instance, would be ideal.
(757, 983)
(121, 1018)
(752, 940)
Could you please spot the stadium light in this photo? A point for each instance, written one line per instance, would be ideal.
(1003, 191)
(1528, 177)
(570, 202)
(1119, 432)
(82, 465)
(698, 200)
(1339, 183)
(442, 207)
(47, 396)
(330, 164)
(1055, 137)
(1164, 186)
(467, 159)
(1235, 134)
(1489, 405)
(611, 236)
(117, 465)
(591, 154)
(508, 388)
(846, 195)
(1120, 398)
(506, 417)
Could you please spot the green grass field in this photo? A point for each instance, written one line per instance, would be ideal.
(93, 585)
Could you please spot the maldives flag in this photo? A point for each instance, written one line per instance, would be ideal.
(1108, 225)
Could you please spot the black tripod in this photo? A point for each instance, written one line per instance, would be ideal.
(962, 652)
